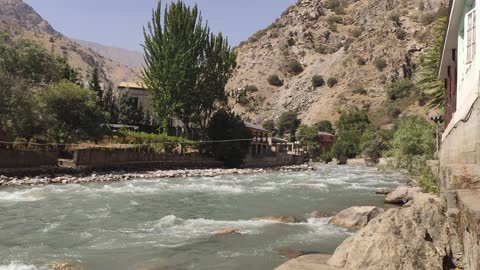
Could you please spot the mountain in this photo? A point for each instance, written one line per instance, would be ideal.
(22, 20)
(123, 56)
(364, 45)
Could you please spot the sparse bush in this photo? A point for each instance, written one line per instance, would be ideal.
(399, 89)
(359, 90)
(332, 27)
(243, 100)
(339, 10)
(318, 81)
(322, 49)
(394, 17)
(428, 18)
(401, 34)
(291, 42)
(331, 82)
(275, 80)
(380, 64)
(357, 32)
(334, 19)
(422, 100)
(394, 113)
(331, 4)
(294, 67)
(361, 61)
(251, 88)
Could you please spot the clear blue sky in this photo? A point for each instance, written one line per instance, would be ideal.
(119, 22)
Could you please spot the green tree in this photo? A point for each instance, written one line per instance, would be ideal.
(413, 143)
(69, 112)
(429, 62)
(270, 126)
(186, 67)
(129, 111)
(288, 122)
(375, 142)
(94, 83)
(350, 128)
(309, 140)
(228, 126)
(109, 105)
(325, 126)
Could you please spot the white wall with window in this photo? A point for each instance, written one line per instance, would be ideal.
(467, 57)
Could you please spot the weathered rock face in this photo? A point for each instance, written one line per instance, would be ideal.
(342, 44)
(402, 194)
(411, 238)
(356, 217)
(282, 219)
(308, 262)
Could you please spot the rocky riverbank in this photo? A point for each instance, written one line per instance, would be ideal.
(419, 235)
(125, 176)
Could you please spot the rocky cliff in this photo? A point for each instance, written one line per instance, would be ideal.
(20, 19)
(364, 45)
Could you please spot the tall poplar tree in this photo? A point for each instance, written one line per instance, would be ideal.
(94, 83)
(186, 67)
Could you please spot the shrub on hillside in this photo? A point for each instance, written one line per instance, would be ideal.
(331, 4)
(394, 113)
(380, 64)
(359, 90)
(318, 81)
(294, 67)
(356, 32)
(243, 100)
(361, 61)
(399, 89)
(331, 82)
(251, 88)
(401, 34)
(275, 80)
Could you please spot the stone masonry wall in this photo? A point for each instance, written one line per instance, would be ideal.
(459, 174)
(27, 158)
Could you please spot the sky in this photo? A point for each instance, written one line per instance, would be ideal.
(119, 23)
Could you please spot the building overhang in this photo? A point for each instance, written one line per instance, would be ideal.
(451, 38)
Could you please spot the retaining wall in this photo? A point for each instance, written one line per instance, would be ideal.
(459, 174)
(27, 158)
(276, 160)
(109, 158)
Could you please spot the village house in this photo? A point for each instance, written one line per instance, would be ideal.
(460, 71)
(326, 140)
(137, 92)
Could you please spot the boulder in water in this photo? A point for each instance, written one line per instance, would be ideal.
(356, 217)
(67, 266)
(402, 194)
(229, 232)
(409, 238)
(282, 219)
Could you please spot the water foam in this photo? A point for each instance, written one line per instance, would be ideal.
(19, 266)
(22, 196)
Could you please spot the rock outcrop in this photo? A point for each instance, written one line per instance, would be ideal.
(364, 45)
(402, 194)
(356, 217)
(410, 238)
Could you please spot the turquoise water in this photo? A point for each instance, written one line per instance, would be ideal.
(173, 223)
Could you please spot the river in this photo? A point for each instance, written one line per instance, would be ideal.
(172, 223)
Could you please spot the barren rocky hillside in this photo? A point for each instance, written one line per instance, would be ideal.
(19, 18)
(363, 44)
(123, 56)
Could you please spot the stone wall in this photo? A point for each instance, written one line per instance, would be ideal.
(277, 160)
(27, 158)
(459, 174)
(106, 158)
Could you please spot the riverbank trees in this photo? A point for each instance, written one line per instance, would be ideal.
(187, 67)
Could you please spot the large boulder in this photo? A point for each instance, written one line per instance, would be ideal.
(282, 219)
(356, 217)
(402, 194)
(308, 262)
(409, 238)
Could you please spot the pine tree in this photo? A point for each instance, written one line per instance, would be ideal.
(94, 83)
(109, 105)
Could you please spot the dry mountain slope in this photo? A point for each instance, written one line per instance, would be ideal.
(339, 39)
(123, 56)
(19, 18)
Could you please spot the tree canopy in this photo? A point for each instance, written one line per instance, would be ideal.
(187, 66)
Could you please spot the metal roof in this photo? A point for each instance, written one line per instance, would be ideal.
(134, 85)
(255, 126)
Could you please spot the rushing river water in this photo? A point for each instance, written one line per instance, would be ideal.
(172, 223)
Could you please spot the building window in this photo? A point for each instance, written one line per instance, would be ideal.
(471, 19)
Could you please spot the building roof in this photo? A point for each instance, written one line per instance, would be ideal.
(278, 140)
(325, 133)
(133, 85)
(255, 126)
(455, 9)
